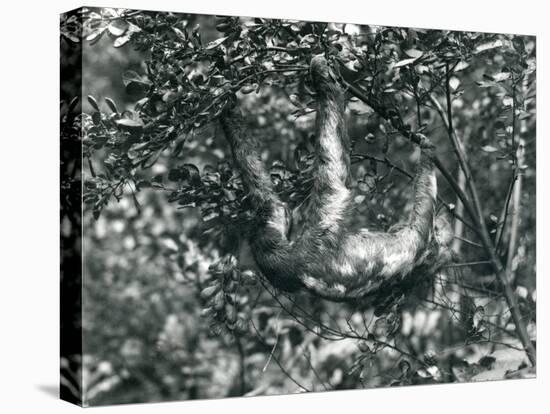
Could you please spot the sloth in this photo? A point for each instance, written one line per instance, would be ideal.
(328, 258)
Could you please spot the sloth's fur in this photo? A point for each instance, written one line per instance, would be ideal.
(327, 258)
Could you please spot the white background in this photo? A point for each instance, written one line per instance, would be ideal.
(29, 148)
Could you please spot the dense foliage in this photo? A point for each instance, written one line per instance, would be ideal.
(172, 306)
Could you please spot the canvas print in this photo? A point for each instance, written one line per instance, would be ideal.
(254, 206)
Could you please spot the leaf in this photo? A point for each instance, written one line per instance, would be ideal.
(130, 76)
(294, 100)
(96, 117)
(461, 66)
(121, 41)
(130, 123)
(414, 53)
(95, 36)
(404, 62)
(93, 102)
(179, 33)
(223, 27)
(71, 37)
(169, 244)
(308, 39)
(219, 301)
(96, 213)
(367, 184)
(434, 372)
(483, 84)
(215, 43)
(118, 27)
(170, 97)
(135, 84)
(423, 373)
(487, 46)
(139, 104)
(499, 77)
(489, 148)
(73, 103)
(248, 277)
(454, 83)
(507, 101)
(208, 312)
(519, 44)
(111, 104)
(404, 367)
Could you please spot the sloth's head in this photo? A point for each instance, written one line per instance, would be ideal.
(319, 68)
(323, 78)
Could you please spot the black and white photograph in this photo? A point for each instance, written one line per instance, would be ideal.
(257, 206)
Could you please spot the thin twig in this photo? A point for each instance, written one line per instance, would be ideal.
(274, 347)
(287, 374)
(465, 240)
